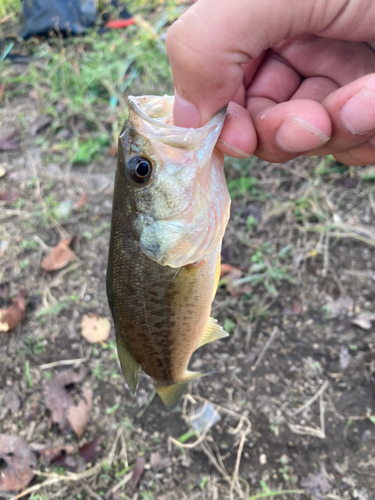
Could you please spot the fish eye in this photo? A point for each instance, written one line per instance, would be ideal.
(140, 169)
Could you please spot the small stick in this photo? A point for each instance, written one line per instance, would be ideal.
(265, 348)
(322, 388)
(62, 362)
(306, 431)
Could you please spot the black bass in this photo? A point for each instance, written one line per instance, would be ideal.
(170, 211)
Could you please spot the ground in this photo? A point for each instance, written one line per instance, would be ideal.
(299, 365)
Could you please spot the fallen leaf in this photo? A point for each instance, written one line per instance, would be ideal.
(69, 377)
(340, 306)
(7, 141)
(40, 122)
(9, 196)
(82, 201)
(65, 460)
(59, 257)
(112, 151)
(52, 454)
(58, 399)
(91, 450)
(138, 469)
(12, 316)
(94, 328)
(158, 462)
(317, 484)
(19, 463)
(78, 415)
(227, 268)
(364, 320)
(296, 307)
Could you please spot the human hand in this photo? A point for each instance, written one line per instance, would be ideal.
(299, 76)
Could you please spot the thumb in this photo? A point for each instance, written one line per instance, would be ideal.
(209, 45)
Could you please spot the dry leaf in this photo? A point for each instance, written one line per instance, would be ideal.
(54, 453)
(40, 122)
(58, 399)
(364, 320)
(82, 201)
(95, 328)
(340, 306)
(158, 462)
(227, 268)
(19, 463)
(78, 416)
(9, 196)
(91, 450)
(7, 141)
(137, 471)
(12, 316)
(59, 257)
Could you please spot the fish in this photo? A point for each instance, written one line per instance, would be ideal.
(170, 210)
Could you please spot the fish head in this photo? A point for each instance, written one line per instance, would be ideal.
(174, 181)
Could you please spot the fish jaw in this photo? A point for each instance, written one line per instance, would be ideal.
(182, 213)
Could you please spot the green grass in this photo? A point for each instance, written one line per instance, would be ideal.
(9, 7)
(83, 82)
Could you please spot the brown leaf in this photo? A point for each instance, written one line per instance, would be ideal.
(112, 151)
(40, 122)
(137, 471)
(9, 196)
(12, 316)
(7, 141)
(68, 377)
(59, 257)
(158, 462)
(52, 454)
(82, 201)
(95, 328)
(78, 416)
(19, 463)
(58, 399)
(296, 307)
(91, 450)
(227, 268)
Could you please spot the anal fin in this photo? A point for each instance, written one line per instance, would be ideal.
(212, 332)
(130, 367)
(171, 394)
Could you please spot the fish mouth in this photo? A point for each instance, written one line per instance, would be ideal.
(152, 116)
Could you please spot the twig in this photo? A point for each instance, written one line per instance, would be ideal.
(306, 431)
(62, 362)
(265, 348)
(320, 391)
(121, 483)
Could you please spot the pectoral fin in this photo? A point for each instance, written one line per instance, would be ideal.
(130, 367)
(213, 332)
(171, 394)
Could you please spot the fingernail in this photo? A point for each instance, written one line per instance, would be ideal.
(358, 114)
(185, 114)
(296, 135)
(234, 150)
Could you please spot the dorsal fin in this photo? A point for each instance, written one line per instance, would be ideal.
(130, 367)
(212, 332)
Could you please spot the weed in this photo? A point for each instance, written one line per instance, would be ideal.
(27, 374)
(229, 325)
(35, 345)
(57, 308)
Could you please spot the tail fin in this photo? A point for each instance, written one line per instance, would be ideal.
(171, 394)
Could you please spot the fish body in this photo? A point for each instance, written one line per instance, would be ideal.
(170, 210)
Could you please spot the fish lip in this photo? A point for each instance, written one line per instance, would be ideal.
(136, 106)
